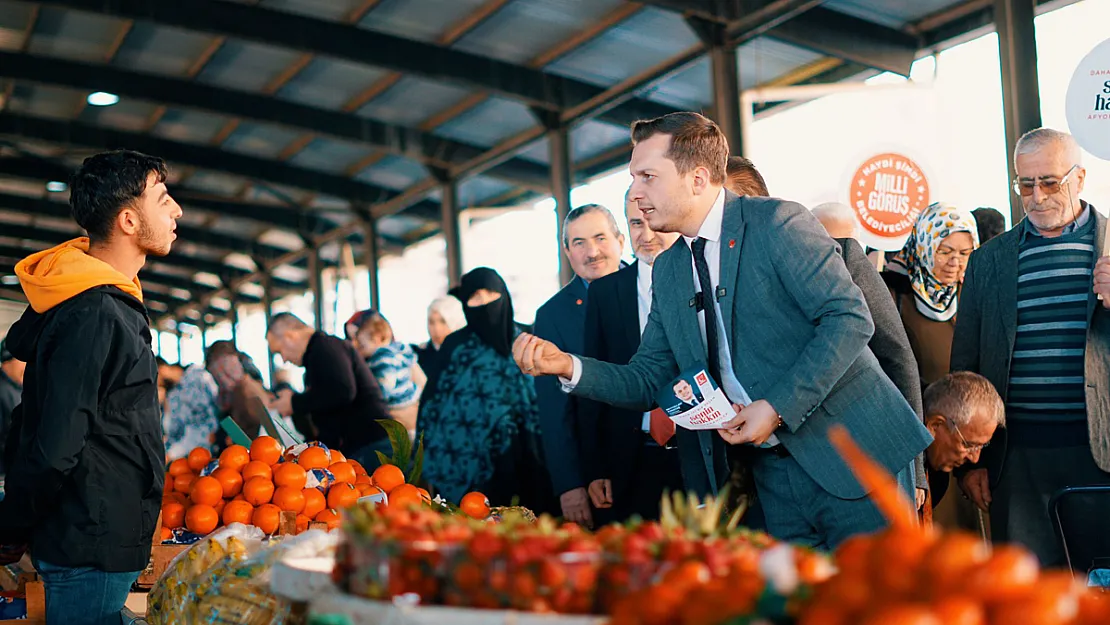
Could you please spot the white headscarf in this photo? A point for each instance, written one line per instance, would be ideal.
(451, 309)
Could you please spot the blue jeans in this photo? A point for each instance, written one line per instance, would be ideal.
(83, 595)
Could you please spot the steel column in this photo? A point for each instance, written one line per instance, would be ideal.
(449, 205)
(558, 141)
(370, 254)
(268, 311)
(1021, 98)
(316, 285)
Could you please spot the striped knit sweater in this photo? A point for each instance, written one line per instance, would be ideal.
(1047, 388)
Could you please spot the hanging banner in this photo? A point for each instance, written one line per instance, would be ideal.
(1088, 102)
(887, 192)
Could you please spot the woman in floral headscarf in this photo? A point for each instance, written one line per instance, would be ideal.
(925, 279)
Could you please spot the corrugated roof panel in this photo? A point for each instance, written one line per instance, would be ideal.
(538, 152)
(336, 10)
(489, 122)
(765, 59)
(397, 226)
(265, 193)
(475, 190)
(591, 138)
(14, 17)
(523, 29)
(412, 100)
(424, 20)
(162, 49)
(330, 83)
(188, 125)
(246, 66)
(239, 227)
(45, 100)
(394, 172)
(131, 115)
(687, 90)
(330, 155)
(259, 139)
(74, 34)
(640, 42)
(892, 14)
(213, 182)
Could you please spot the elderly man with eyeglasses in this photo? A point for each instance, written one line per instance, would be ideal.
(1031, 323)
(962, 412)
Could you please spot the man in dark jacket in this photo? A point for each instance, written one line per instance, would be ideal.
(85, 483)
(11, 388)
(341, 402)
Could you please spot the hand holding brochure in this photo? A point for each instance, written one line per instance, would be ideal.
(694, 401)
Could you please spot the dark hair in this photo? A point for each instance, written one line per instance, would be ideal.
(744, 178)
(219, 349)
(377, 325)
(696, 141)
(105, 184)
(989, 222)
(581, 211)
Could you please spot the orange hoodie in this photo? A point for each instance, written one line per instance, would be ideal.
(53, 276)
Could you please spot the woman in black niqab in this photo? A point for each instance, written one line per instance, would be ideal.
(488, 308)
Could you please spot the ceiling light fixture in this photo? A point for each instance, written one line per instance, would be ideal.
(56, 186)
(102, 98)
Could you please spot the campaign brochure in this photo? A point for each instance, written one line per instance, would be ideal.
(694, 401)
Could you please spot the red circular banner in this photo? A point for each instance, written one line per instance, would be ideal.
(888, 192)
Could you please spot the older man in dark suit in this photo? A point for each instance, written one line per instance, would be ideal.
(630, 457)
(593, 244)
(757, 292)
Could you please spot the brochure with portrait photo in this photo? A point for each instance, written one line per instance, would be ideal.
(694, 401)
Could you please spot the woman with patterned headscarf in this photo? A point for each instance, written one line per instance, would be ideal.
(925, 279)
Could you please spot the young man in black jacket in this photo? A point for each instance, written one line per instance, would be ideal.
(85, 481)
(341, 402)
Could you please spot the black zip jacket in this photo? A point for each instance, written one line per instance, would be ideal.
(85, 478)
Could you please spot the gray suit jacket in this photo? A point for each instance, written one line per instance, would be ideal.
(798, 330)
(986, 325)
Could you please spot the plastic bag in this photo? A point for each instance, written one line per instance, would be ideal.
(242, 594)
(175, 592)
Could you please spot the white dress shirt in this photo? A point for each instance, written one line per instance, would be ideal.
(643, 307)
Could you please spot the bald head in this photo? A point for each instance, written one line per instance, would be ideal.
(838, 219)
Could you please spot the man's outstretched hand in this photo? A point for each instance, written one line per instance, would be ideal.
(537, 357)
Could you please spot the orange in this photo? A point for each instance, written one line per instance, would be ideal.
(957, 610)
(905, 614)
(235, 457)
(331, 517)
(266, 449)
(176, 496)
(343, 472)
(238, 512)
(206, 490)
(199, 458)
(314, 458)
(337, 456)
(302, 523)
(427, 497)
(387, 477)
(366, 489)
(474, 505)
(201, 519)
(290, 474)
(230, 480)
(239, 497)
(173, 514)
(266, 517)
(362, 478)
(220, 507)
(166, 534)
(342, 495)
(184, 482)
(359, 469)
(167, 484)
(254, 468)
(289, 499)
(258, 490)
(406, 495)
(314, 502)
(179, 467)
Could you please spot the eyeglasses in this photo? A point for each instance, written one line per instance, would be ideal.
(1048, 185)
(972, 447)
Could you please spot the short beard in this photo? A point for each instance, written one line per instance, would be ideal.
(648, 258)
(147, 241)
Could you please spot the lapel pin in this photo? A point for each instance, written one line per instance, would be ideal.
(693, 301)
(721, 292)
(731, 243)
(579, 302)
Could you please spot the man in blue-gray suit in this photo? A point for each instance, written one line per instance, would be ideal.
(757, 292)
(593, 244)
